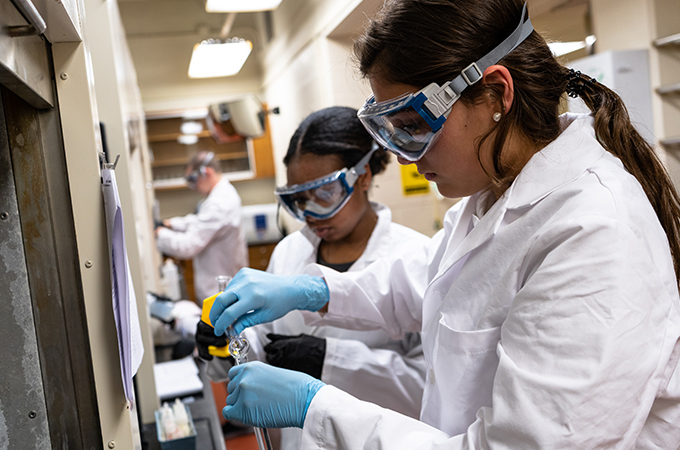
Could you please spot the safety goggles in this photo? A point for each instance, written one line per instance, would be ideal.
(193, 176)
(324, 197)
(409, 125)
(192, 179)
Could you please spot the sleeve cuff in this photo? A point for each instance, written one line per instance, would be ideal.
(163, 237)
(329, 359)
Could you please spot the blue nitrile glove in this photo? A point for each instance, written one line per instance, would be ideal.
(265, 396)
(255, 297)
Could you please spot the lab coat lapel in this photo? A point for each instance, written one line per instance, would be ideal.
(308, 250)
(378, 244)
(375, 249)
(466, 237)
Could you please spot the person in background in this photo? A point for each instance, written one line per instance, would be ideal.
(551, 318)
(213, 237)
(346, 232)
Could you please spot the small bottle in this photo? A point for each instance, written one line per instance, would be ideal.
(170, 274)
(168, 424)
(181, 418)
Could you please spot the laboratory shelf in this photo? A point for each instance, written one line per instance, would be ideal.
(668, 41)
(671, 142)
(669, 89)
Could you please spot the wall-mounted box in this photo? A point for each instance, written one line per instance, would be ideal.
(626, 72)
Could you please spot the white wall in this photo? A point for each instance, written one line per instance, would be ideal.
(297, 92)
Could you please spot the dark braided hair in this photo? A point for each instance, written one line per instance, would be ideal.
(335, 131)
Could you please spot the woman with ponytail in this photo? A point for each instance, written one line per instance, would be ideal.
(550, 317)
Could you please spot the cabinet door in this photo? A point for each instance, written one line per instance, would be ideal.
(259, 255)
(264, 156)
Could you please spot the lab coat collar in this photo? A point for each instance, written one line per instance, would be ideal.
(219, 188)
(560, 162)
(379, 243)
(374, 249)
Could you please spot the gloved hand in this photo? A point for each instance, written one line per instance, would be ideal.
(205, 337)
(255, 297)
(268, 397)
(303, 353)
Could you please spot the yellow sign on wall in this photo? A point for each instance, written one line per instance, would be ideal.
(412, 182)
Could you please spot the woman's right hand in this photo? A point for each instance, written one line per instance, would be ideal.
(255, 297)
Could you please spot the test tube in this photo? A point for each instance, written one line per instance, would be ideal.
(239, 347)
(262, 437)
(222, 282)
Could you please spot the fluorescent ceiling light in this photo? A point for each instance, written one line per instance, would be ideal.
(187, 139)
(217, 58)
(223, 6)
(563, 48)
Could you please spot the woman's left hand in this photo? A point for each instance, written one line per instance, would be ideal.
(269, 397)
(303, 353)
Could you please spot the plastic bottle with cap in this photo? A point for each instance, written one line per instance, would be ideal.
(168, 424)
(170, 275)
(181, 418)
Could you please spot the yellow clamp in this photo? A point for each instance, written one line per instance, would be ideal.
(221, 352)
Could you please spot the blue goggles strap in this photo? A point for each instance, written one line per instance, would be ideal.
(441, 101)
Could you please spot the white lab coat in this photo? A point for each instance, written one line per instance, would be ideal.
(551, 322)
(212, 237)
(368, 364)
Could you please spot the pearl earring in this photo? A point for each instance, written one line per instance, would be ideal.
(496, 117)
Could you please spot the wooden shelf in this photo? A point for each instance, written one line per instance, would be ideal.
(174, 136)
(184, 161)
(180, 183)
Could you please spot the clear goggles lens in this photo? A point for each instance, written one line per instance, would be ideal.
(320, 199)
(192, 177)
(398, 126)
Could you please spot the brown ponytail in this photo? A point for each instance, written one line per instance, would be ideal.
(617, 135)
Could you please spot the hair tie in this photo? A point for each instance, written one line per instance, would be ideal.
(576, 83)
